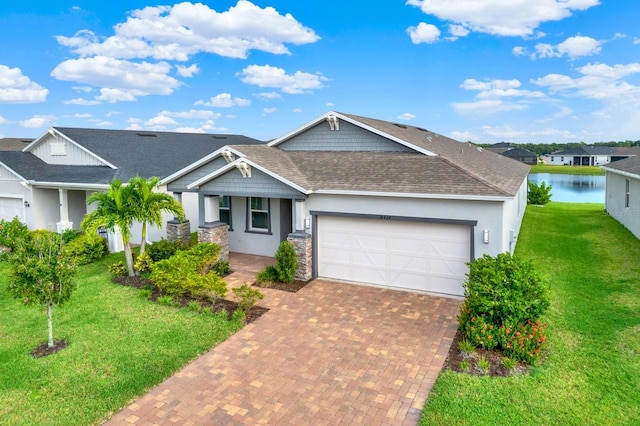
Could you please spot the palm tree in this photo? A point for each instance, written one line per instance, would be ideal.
(150, 205)
(116, 209)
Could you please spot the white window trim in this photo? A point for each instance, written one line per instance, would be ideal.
(229, 209)
(250, 227)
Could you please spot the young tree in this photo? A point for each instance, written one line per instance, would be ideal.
(42, 274)
(150, 205)
(116, 208)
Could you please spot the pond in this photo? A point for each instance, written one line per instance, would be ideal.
(572, 188)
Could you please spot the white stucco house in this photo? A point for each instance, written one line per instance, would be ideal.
(622, 193)
(46, 182)
(363, 200)
(585, 156)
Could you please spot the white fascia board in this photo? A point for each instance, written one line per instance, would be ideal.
(215, 154)
(29, 147)
(355, 123)
(620, 172)
(12, 171)
(232, 165)
(416, 195)
(65, 185)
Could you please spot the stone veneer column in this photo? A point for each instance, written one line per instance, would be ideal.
(179, 231)
(304, 251)
(218, 233)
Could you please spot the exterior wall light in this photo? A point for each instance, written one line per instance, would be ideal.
(485, 236)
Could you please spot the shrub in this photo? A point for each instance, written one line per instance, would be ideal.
(284, 270)
(222, 268)
(86, 248)
(69, 235)
(162, 249)
(166, 301)
(12, 232)
(504, 294)
(118, 269)
(143, 263)
(247, 297)
(539, 194)
(189, 273)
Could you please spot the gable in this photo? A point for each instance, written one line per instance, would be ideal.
(6, 174)
(181, 183)
(259, 184)
(349, 137)
(61, 151)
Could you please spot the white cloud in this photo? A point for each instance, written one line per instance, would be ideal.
(3, 120)
(463, 136)
(495, 96)
(297, 110)
(83, 89)
(269, 110)
(160, 120)
(424, 33)
(79, 116)
(120, 80)
(330, 104)
(37, 121)
(502, 17)
(16, 88)
(273, 77)
(458, 30)
(267, 96)
(507, 132)
(224, 100)
(519, 51)
(187, 71)
(80, 101)
(573, 47)
(406, 116)
(180, 31)
(487, 106)
(194, 114)
(189, 130)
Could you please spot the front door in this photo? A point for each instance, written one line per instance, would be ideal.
(286, 218)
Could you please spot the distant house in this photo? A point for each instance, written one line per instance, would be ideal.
(587, 156)
(622, 193)
(500, 147)
(14, 144)
(522, 155)
(46, 182)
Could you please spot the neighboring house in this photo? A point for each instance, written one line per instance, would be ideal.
(622, 193)
(586, 156)
(363, 200)
(14, 144)
(522, 155)
(500, 147)
(47, 183)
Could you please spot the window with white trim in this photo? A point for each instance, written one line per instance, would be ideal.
(626, 193)
(225, 211)
(258, 214)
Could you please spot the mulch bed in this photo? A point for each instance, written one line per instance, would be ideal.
(496, 369)
(221, 305)
(292, 288)
(44, 349)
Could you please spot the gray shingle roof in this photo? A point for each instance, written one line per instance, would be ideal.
(14, 144)
(628, 165)
(587, 150)
(519, 152)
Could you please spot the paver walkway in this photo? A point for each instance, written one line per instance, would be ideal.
(331, 354)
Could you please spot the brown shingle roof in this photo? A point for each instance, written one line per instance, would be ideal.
(14, 144)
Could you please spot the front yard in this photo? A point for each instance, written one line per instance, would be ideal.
(591, 374)
(119, 346)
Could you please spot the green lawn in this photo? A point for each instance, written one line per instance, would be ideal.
(119, 346)
(591, 374)
(567, 170)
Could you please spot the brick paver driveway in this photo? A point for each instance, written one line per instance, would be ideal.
(332, 354)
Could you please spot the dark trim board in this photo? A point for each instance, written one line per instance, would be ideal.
(314, 226)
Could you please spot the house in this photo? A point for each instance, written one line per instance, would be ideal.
(46, 182)
(522, 155)
(500, 147)
(586, 156)
(622, 192)
(363, 200)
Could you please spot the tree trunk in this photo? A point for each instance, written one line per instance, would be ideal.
(143, 243)
(50, 324)
(128, 255)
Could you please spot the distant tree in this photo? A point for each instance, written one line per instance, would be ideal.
(116, 209)
(539, 194)
(149, 205)
(42, 274)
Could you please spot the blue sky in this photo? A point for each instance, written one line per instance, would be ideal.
(480, 70)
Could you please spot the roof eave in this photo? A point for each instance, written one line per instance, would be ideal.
(466, 197)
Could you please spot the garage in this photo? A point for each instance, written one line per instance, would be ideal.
(11, 207)
(394, 252)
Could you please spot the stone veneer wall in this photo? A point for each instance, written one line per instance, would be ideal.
(177, 231)
(304, 251)
(217, 233)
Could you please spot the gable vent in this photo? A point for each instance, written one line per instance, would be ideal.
(219, 137)
(147, 135)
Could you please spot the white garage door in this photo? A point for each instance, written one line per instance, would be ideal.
(409, 255)
(11, 207)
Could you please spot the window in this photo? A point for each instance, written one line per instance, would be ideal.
(561, 158)
(626, 192)
(258, 217)
(58, 148)
(225, 211)
(551, 158)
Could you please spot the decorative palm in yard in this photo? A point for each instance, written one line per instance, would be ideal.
(116, 209)
(150, 205)
(123, 204)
